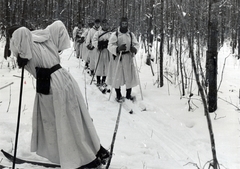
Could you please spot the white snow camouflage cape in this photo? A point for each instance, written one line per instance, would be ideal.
(126, 72)
(62, 129)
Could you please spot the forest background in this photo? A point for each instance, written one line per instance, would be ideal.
(158, 16)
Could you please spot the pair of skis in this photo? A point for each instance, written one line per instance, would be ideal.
(21, 161)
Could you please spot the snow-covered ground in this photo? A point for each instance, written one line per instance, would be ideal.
(164, 136)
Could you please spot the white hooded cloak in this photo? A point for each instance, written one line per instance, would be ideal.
(62, 129)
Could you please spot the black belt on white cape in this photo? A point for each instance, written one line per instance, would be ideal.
(44, 78)
(55, 68)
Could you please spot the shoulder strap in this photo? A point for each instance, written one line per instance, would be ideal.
(103, 34)
(131, 38)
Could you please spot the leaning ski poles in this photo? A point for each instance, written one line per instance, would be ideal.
(96, 67)
(139, 83)
(114, 135)
(115, 75)
(148, 60)
(152, 69)
(18, 120)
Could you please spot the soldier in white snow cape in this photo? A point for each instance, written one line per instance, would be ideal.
(62, 129)
(85, 50)
(122, 71)
(77, 40)
(93, 54)
(100, 42)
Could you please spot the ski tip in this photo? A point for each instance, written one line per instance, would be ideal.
(4, 152)
(131, 112)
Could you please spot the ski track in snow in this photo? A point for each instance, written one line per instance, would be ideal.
(154, 131)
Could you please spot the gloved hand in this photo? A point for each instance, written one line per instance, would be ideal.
(90, 47)
(7, 52)
(21, 61)
(148, 60)
(80, 40)
(133, 49)
(121, 48)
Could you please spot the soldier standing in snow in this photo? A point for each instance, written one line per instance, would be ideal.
(92, 50)
(62, 129)
(85, 51)
(100, 42)
(77, 40)
(123, 45)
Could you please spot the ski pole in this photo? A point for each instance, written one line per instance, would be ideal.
(151, 68)
(80, 57)
(115, 75)
(81, 50)
(71, 54)
(18, 120)
(96, 67)
(139, 83)
(114, 135)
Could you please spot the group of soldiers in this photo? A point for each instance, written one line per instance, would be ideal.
(109, 55)
(62, 128)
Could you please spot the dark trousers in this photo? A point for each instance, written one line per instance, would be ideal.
(128, 93)
(118, 92)
(119, 95)
(101, 81)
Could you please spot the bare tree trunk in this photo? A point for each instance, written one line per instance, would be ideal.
(82, 17)
(150, 30)
(105, 9)
(238, 6)
(7, 13)
(23, 14)
(167, 27)
(133, 14)
(212, 57)
(123, 6)
(172, 24)
(222, 13)
(161, 47)
(181, 63)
